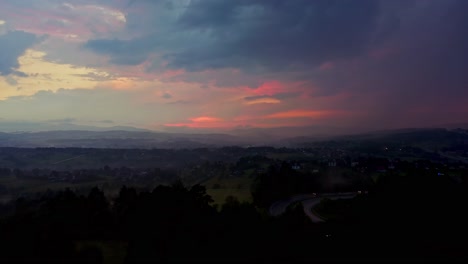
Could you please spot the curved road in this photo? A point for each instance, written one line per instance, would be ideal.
(309, 201)
(279, 207)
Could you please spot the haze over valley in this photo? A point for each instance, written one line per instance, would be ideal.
(239, 130)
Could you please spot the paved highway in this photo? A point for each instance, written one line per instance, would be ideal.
(280, 207)
(309, 201)
(67, 159)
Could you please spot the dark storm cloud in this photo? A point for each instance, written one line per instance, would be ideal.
(12, 45)
(151, 25)
(269, 34)
(123, 52)
(276, 34)
(398, 61)
(418, 76)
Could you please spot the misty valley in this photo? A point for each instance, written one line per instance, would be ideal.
(143, 131)
(393, 196)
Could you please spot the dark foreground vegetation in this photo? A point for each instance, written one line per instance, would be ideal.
(66, 205)
(401, 218)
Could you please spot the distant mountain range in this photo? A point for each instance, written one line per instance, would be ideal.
(115, 139)
(10, 126)
(29, 134)
(65, 134)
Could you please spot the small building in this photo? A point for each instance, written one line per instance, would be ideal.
(296, 166)
(381, 169)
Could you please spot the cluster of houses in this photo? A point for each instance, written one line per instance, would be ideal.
(122, 174)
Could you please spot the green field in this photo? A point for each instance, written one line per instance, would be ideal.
(217, 187)
(220, 188)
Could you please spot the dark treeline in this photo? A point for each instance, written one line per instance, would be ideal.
(280, 182)
(402, 217)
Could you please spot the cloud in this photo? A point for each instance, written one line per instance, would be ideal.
(19, 74)
(303, 114)
(73, 22)
(262, 100)
(12, 45)
(150, 28)
(269, 34)
(106, 121)
(385, 63)
(200, 122)
(270, 99)
(96, 76)
(63, 120)
(11, 81)
(278, 96)
(35, 73)
(122, 107)
(416, 77)
(167, 96)
(66, 106)
(276, 34)
(123, 52)
(206, 119)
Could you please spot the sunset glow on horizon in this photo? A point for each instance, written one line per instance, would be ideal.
(218, 65)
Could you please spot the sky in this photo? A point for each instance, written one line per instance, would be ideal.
(213, 65)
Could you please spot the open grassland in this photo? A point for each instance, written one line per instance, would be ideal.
(220, 188)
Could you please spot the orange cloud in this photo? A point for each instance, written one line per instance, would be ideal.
(267, 100)
(46, 75)
(273, 88)
(200, 122)
(281, 119)
(270, 88)
(206, 119)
